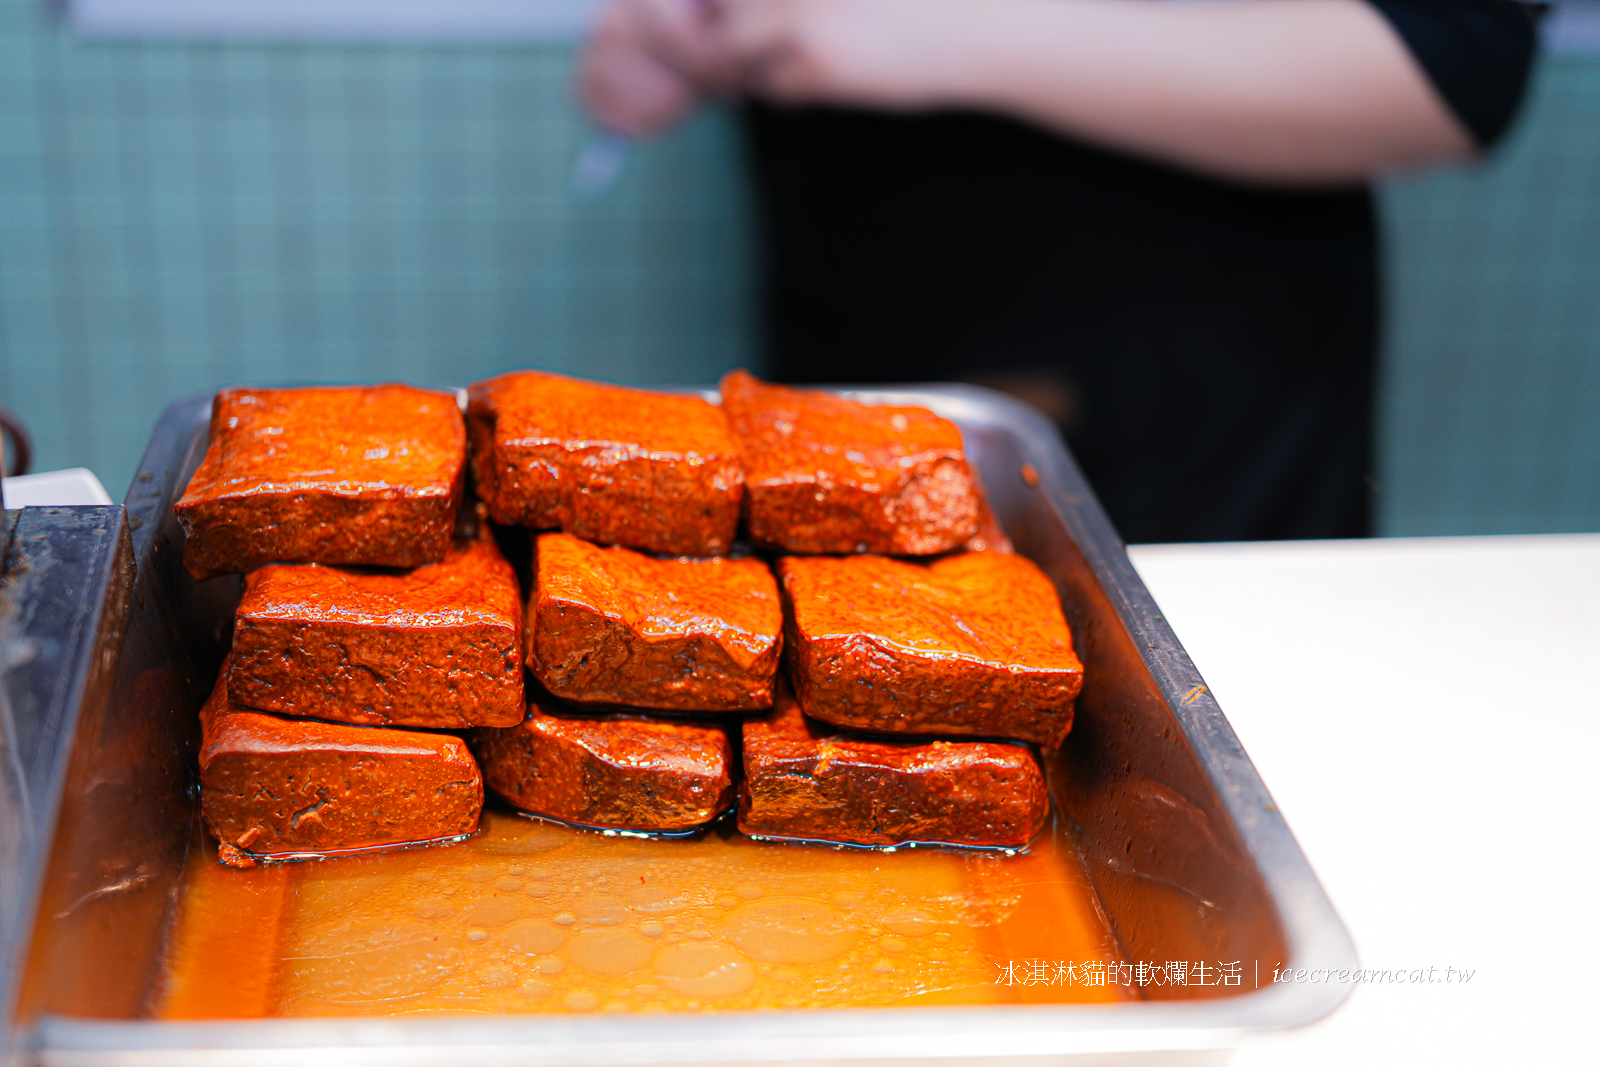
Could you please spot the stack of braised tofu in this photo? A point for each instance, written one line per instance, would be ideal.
(322, 734)
(886, 661)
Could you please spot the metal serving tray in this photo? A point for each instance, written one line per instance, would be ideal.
(1188, 854)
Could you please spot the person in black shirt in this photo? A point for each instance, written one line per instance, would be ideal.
(1158, 209)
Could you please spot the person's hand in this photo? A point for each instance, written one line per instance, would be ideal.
(895, 54)
(646, 65)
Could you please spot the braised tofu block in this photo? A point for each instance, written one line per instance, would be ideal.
(438, 647)
(363, 475)
(803, 781)
(826, 474)
(271, 786)
(969, 645)
(654, 471)
(619, 773)
(612, 626)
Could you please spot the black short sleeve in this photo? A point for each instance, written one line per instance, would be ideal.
(1476, 52)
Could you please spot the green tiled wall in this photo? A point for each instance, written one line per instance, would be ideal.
(174, 217)
(1491, 416)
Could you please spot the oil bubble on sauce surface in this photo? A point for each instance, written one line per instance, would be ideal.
(534, 917)
(790, 930)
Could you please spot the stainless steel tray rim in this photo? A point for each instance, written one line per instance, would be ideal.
(1053, 1027)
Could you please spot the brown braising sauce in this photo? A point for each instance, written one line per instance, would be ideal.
(531, 916)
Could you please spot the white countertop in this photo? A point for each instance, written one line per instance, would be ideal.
(1426, 713)
(75, 485)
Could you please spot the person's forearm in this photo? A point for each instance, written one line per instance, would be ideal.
(1302, 91)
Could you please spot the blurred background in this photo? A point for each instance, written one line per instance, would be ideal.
(194, 194)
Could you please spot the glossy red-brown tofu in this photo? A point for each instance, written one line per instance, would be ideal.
(971, 645)
(613, 626)
(368, 475)
(271, 786)
(616, 773)
(826, 474)
(439, 646)
(653, 471)
(803, 780)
